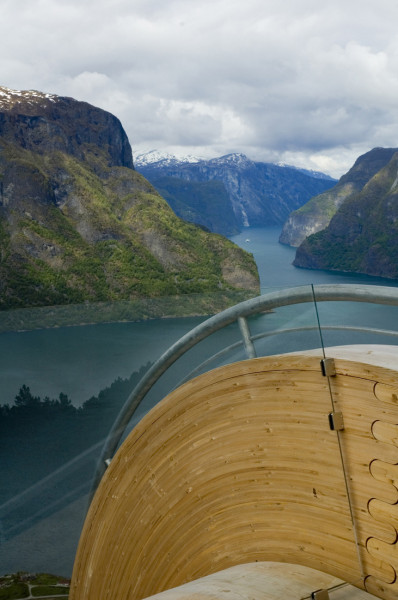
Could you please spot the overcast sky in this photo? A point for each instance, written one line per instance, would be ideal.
(313, 83)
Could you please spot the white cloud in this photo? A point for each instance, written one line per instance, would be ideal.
(296, 81)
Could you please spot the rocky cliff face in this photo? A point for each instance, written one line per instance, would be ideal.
(362, 237)
(44, 123)
(316, 214)
(78, 223)
(258, 193)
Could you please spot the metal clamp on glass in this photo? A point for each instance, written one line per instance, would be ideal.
(328, 367)
(336, 422)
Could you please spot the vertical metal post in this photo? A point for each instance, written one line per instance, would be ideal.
(247, 340)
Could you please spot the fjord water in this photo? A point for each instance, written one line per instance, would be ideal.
(40, 526)
(80, 361)
(274, 262)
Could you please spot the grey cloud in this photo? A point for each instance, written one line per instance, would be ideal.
(301, 79)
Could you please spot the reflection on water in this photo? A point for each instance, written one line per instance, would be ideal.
(49, 449)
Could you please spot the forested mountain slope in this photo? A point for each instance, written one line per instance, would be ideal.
(316, 214)
(78, 223)
(362, 237)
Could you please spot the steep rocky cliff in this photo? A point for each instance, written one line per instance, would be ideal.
(252, 193)
(362, 237)
(316, 214)
(78, 223)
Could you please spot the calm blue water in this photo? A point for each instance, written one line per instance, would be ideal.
(274, 262)
(80, 361)
(40, 526)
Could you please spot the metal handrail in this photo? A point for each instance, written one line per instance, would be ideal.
(267, 302)
(265, 334)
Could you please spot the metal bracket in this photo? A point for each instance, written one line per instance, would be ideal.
(320, 595)
(328, 367)
(336, 422)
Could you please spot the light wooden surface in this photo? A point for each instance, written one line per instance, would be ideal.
(263, 581)
(238, 466)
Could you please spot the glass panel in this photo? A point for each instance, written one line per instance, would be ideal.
(351, 323)
(62, 384)
(281, 330)
(287, 329)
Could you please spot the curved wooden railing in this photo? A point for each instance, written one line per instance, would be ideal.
(240, 465)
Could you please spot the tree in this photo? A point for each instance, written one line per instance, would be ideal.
(25, 398)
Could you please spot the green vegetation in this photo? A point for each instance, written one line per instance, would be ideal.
(47, 590)
(125, 310)
(362, 236)
(47, 579)
(13, 590)
(37, 433)
(316, 214)
(325, 204)
(104, 237)
(21, 585)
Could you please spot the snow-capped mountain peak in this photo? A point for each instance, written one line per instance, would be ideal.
(165, 158)
(236, 159)
(9, 97)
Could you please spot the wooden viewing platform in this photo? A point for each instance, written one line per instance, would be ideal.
(242, 468)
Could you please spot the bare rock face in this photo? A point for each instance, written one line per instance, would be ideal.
(317, 213)
(45, 123)
(78, 223)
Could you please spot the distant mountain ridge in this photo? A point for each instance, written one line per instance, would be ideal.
(252, 193)
(362, 236)
(157, 156)
(316, 214)
(78, 223)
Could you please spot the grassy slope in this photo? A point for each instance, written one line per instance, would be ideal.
(69, 235)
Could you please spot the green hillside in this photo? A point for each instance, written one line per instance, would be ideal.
(79, 224)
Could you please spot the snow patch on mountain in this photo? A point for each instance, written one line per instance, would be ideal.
(9, 97)
(235, 160)
(164, 158)
(309, 172)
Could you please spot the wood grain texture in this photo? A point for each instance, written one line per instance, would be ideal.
(263, 581)
(239, 465)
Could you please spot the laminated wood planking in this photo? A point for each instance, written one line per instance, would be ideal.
(239, 465)
(263, 581)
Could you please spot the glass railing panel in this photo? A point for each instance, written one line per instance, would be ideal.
(63, 382)
(65, 373)
(292, 328)
(287, 329)
(349, 323)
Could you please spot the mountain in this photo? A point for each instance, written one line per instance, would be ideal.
(248, 193)
(362, 237)
(309, 172)
(78, 223)
(157, 156)
(316, 214)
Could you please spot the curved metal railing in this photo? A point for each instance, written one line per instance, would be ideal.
(239, 313)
